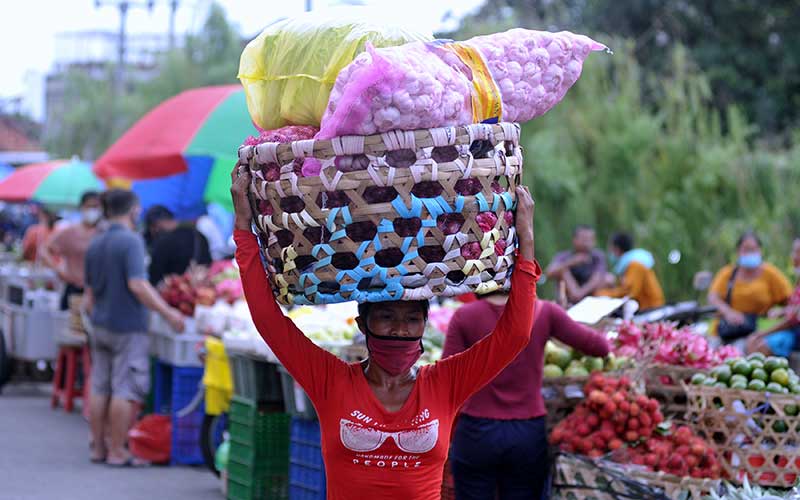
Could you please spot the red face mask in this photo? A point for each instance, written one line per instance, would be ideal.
(394, 354)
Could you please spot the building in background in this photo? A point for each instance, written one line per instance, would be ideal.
(19, 143)
(93, 54)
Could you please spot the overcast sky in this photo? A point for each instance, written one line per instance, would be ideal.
(28, 27)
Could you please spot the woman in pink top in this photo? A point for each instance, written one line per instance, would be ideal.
(500, 441)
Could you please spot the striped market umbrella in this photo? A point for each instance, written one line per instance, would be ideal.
(56, 183)
(181, 152)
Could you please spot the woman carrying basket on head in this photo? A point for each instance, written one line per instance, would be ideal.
(385, 424)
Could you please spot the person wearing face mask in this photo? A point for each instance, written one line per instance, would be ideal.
(65, 250)
(782, 338)
(385, 423)
(745, 291)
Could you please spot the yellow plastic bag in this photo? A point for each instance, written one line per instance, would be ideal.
(289, 69)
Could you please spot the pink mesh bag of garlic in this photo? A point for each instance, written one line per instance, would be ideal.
(513, 76)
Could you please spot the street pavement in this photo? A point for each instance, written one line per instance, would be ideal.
(44, 455)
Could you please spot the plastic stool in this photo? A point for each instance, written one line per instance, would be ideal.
(65, 380)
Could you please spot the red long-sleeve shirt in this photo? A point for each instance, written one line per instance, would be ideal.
(370, 452)
(517, 392)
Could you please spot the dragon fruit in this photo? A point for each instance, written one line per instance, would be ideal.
(676, 346)
(430, 84)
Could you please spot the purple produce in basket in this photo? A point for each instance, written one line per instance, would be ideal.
(283, 135)
(407, 227)
(500, 247)
(486, 221)
(513, 76)
(471, 250)
(450, 223)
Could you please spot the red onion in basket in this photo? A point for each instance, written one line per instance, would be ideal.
(471, 250)
(486, 221)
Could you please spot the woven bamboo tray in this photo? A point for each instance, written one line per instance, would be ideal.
(664, 383)
(743, 425)
(390, 216)
(561, 396)
(577, 477)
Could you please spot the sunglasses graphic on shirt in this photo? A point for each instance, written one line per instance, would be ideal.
(356, 437)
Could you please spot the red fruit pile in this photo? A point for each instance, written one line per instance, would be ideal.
(681, 453)
(613, 419)
(610, 416)
(187, 291)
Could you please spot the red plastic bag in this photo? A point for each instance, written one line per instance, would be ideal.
(150, 438)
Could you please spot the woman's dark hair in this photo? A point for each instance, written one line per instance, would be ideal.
(365, 307)
(623, 241)
(118, 202)
(749, 234)
(89, 195)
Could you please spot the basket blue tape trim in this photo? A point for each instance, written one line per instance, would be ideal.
(407, 243)
(459, 204)
(386, 226)
(410, 255)
(338, 235)
(348, 219)
(322, 247)
(363, 248)
(433, 207)
(330, 223)
(483, 205)
(415, 210)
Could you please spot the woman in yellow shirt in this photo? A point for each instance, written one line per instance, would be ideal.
(755, 287)
(637, 279)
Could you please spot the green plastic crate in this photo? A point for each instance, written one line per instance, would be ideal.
(254, 427)
(273, 487)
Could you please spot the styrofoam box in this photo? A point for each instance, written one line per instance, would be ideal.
(176, 349)
(33, 333)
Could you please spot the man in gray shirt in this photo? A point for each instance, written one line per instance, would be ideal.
(118, 295)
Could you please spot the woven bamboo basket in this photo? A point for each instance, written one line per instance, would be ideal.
(561, 396)
(577, 477)
(754, 435)
(390, 217)
(664, 383)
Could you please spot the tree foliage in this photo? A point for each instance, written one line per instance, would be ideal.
(669, 173)
(749, 50)
(210, 57)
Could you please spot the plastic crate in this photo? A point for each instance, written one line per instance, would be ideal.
(266, 433)
(259, 451)
(177, 349)
(306, 467)
(271, 487)
(295, 399)
(255, 380)
(174, 388)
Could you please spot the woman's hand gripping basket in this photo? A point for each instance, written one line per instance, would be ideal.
(405, 215)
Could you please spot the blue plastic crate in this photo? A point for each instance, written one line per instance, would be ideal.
(306, 468)
(174, 388)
